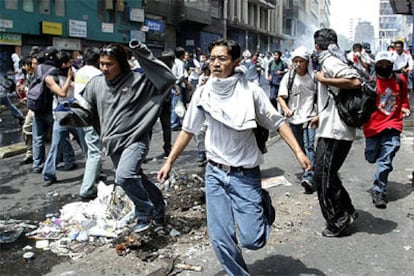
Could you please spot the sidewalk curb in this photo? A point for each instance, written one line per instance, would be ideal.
(12, 150)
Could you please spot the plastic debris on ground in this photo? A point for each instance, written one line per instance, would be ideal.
(81, 226)
(11, 230)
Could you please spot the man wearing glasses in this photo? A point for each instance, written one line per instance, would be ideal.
(232, 108)
(123, 106)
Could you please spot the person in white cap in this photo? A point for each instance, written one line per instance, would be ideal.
(251, 67)
(297, 99)
(383, 130)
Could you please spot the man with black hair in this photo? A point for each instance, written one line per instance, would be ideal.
(43, 119)
(123, 105)
(232, 108)
(92, 141)
(168, 58)
(403, 62)
(181, 84)
(359, 59)
(22, 88)
(61, 87)
(334, 137)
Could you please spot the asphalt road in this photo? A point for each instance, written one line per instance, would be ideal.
(379, 243)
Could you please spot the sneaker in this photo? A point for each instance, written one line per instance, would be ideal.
(307, 185)
(26, 160)
(69, 167)
(37, 170)
(49, 182)
(331, 232)
(88, 197)
(268, 209)
(142, 225)
(379, 200)
(159, 220)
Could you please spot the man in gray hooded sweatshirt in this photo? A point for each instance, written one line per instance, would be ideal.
(123, 106)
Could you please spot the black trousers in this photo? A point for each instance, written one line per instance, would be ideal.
(165, 120)
(334, 200)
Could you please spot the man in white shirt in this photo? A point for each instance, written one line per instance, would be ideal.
(232, 108)
(334, 137)
(297, 99)
(403, 62)
(359, 59)
(178, 91)
(92, 140)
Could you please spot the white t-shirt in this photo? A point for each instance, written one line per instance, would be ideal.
(330, 124)
(301, 99)
(402, 61)
(226, 145)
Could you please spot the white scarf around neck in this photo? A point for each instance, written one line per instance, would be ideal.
(230, 100)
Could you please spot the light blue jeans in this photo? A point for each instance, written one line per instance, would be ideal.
(61, 145)
(93, 162)
(145, 195)
(175, 120)
(16, 113)
(306, 139)
(235, 198)
(381, 149)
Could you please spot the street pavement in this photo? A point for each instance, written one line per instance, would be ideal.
(379, 243)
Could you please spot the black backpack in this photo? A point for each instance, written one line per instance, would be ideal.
(39, 98)
(355, 106)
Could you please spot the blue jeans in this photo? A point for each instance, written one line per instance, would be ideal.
(16, 113)
(93, 162)
(381, 149)
(306, 139)
(175, 120)
(235, 198)
(61, 144)
(42, 122)
(145, 195)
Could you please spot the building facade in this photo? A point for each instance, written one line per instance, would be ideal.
(393, 26)
(258, 25)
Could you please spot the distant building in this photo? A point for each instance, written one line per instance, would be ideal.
(364, 33)
(392, 26)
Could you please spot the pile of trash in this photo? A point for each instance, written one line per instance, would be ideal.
(80, 227)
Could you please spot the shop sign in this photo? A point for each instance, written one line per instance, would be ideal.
(154, 25)
(138, 35)
(52, 28)
(136, 15)
(5, 23)
(107, 28)
(78, 28)
(67, 43)
(10, 39)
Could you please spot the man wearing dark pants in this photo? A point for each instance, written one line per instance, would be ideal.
(333, 135)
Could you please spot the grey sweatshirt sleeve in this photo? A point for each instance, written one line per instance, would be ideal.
(156, 71)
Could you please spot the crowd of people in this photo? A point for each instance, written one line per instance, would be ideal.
(211, 96)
